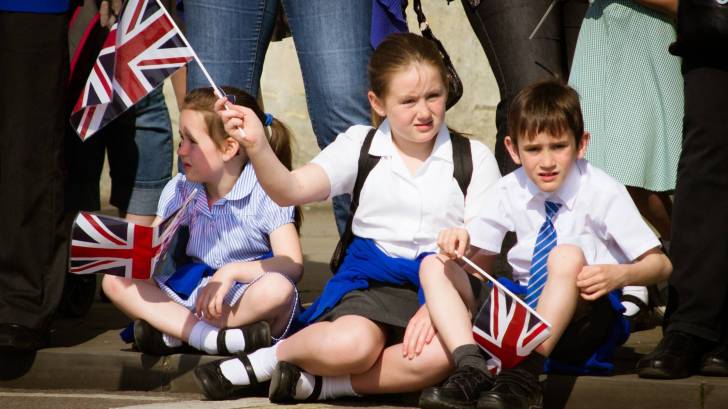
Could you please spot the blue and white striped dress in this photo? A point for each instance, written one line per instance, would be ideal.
(236, 228)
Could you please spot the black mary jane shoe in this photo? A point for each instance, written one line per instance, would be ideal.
(215, 386)
(257, 335)
(150, 340)
(283, 384)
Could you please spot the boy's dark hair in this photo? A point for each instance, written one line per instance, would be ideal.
(549, 106)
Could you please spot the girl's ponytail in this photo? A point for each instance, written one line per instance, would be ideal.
(280, 140)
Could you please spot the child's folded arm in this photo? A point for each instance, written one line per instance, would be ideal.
(597, 280)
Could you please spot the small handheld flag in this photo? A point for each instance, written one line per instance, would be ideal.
(505, 326)
(110, 245)
(141, 50)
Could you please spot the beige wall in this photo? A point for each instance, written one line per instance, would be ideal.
(283, 94)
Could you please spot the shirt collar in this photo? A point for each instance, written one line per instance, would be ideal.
(383, 145)
(244, 185)
(566, 194)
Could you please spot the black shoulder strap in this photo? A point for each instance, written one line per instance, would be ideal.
(462, 160)
(367, 162)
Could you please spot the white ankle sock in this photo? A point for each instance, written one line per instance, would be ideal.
(234, 340)
(331, 387)
(304, 386)
(637, 291)
(263, 362)
(204, 337)
(334, 387)
(171, 341)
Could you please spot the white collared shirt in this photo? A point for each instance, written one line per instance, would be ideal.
(236, 227)
(403, 213)
(597, 214)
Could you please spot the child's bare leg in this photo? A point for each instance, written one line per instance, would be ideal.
(450, 300)
(144, 300)
(349, 345)
(394, 373)
(269, 299)
(560, 295)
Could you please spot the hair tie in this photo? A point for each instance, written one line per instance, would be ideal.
(268, 119)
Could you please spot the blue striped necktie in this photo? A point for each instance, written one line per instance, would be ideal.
(545, 241)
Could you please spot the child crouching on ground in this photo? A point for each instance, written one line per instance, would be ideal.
(238, 292)
(580, 240)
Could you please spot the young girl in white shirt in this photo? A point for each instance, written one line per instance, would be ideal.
(368, 321)
(238, 292)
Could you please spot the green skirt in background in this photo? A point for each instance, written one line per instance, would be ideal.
(631, 91)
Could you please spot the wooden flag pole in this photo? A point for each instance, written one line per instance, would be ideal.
(490, 278)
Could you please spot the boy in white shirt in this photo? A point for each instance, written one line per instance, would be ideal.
(580, 240)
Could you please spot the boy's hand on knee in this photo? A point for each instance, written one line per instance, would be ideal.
(453, 242)
(242, 124)
(598, 280)
(418, 333)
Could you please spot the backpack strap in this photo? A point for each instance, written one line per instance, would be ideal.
(367, 162)
(462, 159)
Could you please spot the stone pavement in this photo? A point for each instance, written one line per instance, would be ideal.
(86, 353)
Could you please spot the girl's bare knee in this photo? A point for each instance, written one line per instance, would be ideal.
(271, 291)
(113, 286)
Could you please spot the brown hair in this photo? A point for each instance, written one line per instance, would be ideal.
(549, 106)
(396, 53)
(202, 100)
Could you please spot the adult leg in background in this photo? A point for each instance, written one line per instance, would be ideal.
(332, 42)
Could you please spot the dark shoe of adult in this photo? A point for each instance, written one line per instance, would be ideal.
(257, 335)
(149, 340)
(676, 356)
(513, 389)
(215, 386)
(283, 384)
(19, 338)
(715, 362)
(460, 390)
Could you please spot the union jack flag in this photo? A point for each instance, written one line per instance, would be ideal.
(110, 245)
(141, 50)
(508, 329)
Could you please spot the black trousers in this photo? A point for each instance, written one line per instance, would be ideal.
(33, 229)
(698, 302)
(503, 28)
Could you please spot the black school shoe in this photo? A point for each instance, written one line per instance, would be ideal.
(460, 390)
(715, 362)
(514, 389)
(257, 335)
(149, 340)
(676, 356)
(215, 386)
(283, 384)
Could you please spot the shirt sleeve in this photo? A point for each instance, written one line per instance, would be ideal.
(623, 224)
(340, 160)
(490, 226)
(485, 174)
(171, 198)
(275, 216)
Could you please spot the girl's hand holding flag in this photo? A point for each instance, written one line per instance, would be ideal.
(237, 118)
